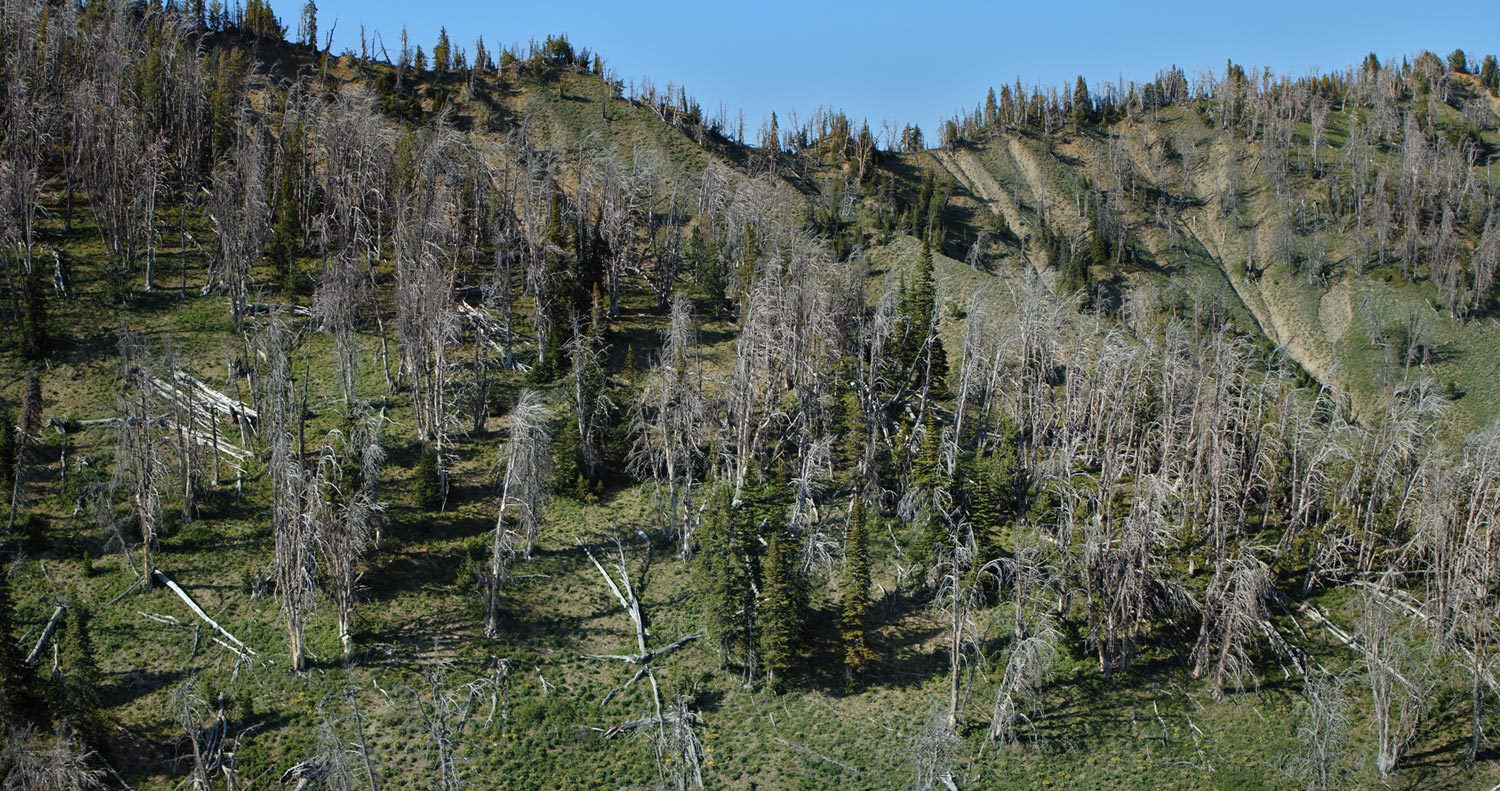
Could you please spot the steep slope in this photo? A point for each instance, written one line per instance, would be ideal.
(1337, 323)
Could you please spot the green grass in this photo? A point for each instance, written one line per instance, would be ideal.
(1152, 727)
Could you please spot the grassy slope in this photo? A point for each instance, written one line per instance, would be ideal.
(1151, 728)
(1320, 325)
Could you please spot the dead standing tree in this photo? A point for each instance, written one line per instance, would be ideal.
(355, 149)
(139, 469)
(298, 506)
(668, 426)
(348, 528)
(524, 490)
(239, 209)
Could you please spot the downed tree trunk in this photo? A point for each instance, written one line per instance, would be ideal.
(46, 633)
(161, 578)
(1349, 640)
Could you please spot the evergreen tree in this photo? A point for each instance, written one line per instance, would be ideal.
(783, 609)
(428, 481)
(921, 344)
(1489, 75)
(442, 54)
(1458, 61)
(9, 448)
(724, 572)
(709, 269)
(309, 25)
(34, 328)
(993, 488)
(79, 677)
(17, 692)
(567, 470)
(854, 594)
(560, 294)
(1083, 106)
(285, 244)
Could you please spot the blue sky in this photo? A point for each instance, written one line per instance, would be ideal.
(921, 61)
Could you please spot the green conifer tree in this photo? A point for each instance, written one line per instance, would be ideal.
(442, 54)
(1083, 106)
(1489, 75)
(17, 691)
(9, 447)
(34, 323)
(993, 490)
(80, 679)
(783, 609)
(567, 471)
(724, 579)
(854, 595)
(285, 244)
(428, 481)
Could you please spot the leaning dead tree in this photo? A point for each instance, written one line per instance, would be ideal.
(523, 497)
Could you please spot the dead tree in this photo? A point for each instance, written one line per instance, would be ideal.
(1399, 671)
(668, 424)
(351, 513)
(28, 435)
(1323, 731)
(1030, 588)
(139, 469)
(239, 208)
(1235, 613)
(524, 490)
(675, 745)
(60, 763)
(298, 505)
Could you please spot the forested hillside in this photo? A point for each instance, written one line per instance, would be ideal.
(429, 418)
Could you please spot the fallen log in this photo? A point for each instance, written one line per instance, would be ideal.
(165, 581)
(1349, 640)
(46, 633)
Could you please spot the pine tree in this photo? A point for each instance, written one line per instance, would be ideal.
(442, 54)
(854, 594)
(994, 486)
(34, 329)
(17, 691)
(80, 679)
(429, 484)
(1083, 106)
(920, 344)
(1489, 75)
(567, 471)
(930, 482)
(285, 244)
(725, 579)
(709, 269)
(783, 609)
(1458, 61)
(309, 24)
(9, 447)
